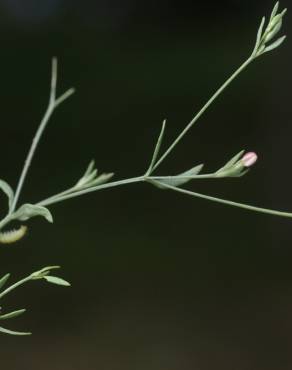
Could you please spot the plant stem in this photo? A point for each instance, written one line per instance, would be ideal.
(60, 197)
(53, 103)
(14, 286)
(30, 155)
(200, 113)
(56, 196)
(224, 201)
(195, 177)
(5, 220)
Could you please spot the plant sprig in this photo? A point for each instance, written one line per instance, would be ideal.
(91, 181)
(45, 274)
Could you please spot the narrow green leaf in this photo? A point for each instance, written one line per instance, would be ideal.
(259, 35)
(44, 271)
(7, 189)
(27, 211)
(10, 332)
(3, 280)
(278, 17)
(12, 315)
(182, 178)
(274, 11)
(91, 176)
(233, 160)
(276, 29)
(89, 168)
(275, 44)
(101, 179)
(56, 280)
(157, 147)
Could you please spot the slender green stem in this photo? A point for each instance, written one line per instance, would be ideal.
(56, 196)
(5, 220)
(224, 201)
(64, 97)
(60, 197)
(156, 149)
(14, 286)
(30, 155)
(53, 103)
(200, 113)
(195, 177)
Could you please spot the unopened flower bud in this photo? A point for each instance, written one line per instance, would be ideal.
(249, 159)
(237, 166)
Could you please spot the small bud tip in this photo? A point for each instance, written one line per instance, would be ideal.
(249, 159)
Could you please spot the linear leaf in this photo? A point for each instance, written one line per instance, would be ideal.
(274, 11)
(7, 189)
(3, 280)
(101, 179)
(233, 160)
(275, 44)
(259, 34)
(10, 332)
(12, 315)
(27, 211)
(182, 178)
(89, 168)
(157, 147)
(56, 280)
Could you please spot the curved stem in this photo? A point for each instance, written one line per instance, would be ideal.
(227, 202)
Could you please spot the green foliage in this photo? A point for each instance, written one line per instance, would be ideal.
(264, 37)
(44, 274)
(90, 181)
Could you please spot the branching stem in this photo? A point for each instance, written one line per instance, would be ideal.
(53, 104)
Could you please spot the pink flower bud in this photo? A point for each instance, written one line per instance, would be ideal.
(249, 159)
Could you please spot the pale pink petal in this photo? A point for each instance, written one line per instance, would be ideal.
(249, 159)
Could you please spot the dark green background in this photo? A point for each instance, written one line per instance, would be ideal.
(160, 281)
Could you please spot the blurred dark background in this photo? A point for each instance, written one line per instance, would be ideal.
(159, 280)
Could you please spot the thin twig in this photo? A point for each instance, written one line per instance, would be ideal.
(200, 113)
(224, 201)
(53, 103)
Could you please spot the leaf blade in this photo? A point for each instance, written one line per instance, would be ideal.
(259, 35)
(3, 280)
(7, 189)
(27, 211)
(182, 178)
(12, 315)
(56, 280)
(11, 332)
(157, 147)
(275, 44)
